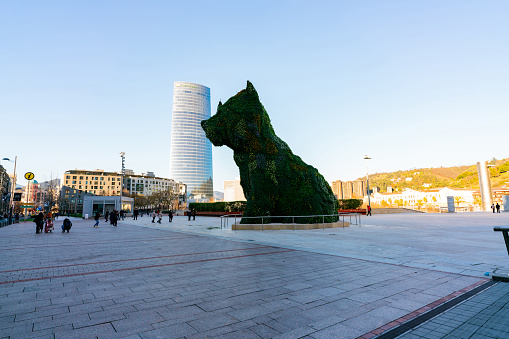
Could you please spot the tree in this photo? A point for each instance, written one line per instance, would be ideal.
(434, 200)
(167, 198)
(50, 194)
(458, 200)
(419, 203)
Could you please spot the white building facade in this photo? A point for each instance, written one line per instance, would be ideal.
(435, 197)
(233, 191)
(147, 184)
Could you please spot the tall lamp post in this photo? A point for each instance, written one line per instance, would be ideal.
(11, 202)
(367, 181)
(122, 155)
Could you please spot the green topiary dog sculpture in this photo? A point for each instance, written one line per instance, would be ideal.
(275, 181)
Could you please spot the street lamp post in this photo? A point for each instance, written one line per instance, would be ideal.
(122, 155)
(11, 202)
(367, 181)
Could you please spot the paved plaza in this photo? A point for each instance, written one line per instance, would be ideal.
(193, 279)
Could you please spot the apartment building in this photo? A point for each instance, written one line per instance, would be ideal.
(96, 182)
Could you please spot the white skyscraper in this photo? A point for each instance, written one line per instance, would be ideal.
(191, 151)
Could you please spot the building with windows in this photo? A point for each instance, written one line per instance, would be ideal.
(148, 184)
(349, 189)
(96, 182)
(5, 188)
(191, 151)
(233, 191)
(71, 200)
(434, 197)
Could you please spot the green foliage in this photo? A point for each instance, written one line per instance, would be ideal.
(349, 204)
(465, 174)
(504, 167)
(230, 206)
(453, 177)
(275, 181)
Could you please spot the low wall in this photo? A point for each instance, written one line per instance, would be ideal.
(393, 210)
(268, 227)
(358, 210)
(214, 214)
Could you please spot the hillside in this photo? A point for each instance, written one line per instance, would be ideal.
(457, 177)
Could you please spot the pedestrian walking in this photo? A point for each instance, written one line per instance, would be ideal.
(135, 214)
(122, 214)
(498, 207)
(189, 215)
(153, 216)
(159, 217)
(170, 216)
(96, 218)
(368, 210)
(194, 214)
(493, 207)
(106, 215)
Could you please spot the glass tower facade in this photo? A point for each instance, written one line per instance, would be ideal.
(191, 151)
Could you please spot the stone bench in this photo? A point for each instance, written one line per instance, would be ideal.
(504, 231)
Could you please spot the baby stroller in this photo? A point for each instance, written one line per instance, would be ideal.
(49, 226)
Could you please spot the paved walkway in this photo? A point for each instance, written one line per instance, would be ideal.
(199, 281)
(462, 243)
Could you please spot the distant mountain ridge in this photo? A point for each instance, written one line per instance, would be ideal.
(453, 177)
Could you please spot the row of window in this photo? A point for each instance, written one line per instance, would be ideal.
(92, 178)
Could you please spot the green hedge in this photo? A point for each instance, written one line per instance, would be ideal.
(239, 206)
(230, 206)
(349, 204)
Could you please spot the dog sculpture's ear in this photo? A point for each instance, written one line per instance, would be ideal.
(250, 87)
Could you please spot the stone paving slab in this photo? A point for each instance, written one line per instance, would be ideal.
(133, 281)
(485, 315)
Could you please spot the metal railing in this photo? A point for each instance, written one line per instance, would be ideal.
(357, 216)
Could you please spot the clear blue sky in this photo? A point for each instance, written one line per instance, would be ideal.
(410, 83)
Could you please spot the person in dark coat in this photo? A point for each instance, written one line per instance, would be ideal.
(106, 215)
(170, 215)
(194, 214)
(39, 222)
(114, 218)
(135, 214)
(498, 207)
(67, 225)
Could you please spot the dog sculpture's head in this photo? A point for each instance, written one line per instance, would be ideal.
(241, 123)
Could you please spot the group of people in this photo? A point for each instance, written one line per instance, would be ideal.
(115, 215)
(495, 207)
(46, 222)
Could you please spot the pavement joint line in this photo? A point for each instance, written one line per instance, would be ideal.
(139, 267)
(57, 243)
(133, 259)
(295, 248)
(94, 243)
(402, 325)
